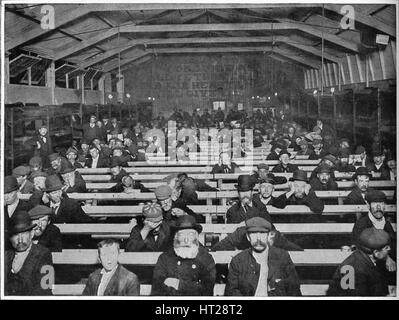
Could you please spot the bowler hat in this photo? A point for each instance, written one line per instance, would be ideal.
(53, 183)
(66, 168)
(53, 156)
(258, 224)
(186, 222)
(21, 171)
(39, 211)
(20, 222)
(163, 192)
(262, 166)
(284, 151)
(374, 239)
(375, 196)
(361, 171)
(299, 175)
(153, 212)
(35, 161)
(323, 168)
(10, 184)
(245, 183)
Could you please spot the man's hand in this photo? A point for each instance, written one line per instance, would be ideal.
(38, 144)
(390, 264)
(307, 189)
(45, 198)
(178, 212)
(172, 282)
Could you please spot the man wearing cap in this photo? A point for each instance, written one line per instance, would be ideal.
(45, 233)
(186, 269)
(391, 163)
(263, 173)
(56, 162)
(305, 150)
(112, 279)
(72, 155)
(261, 270)
(277, 147)
(362, 179)
(318, 151)
(323, 181)
(35, 164)
(84, 149)
(225, 165)
(90, 130)
(359, 275)
(265, 194)
(22, 173)
(117, 173)
(291, 137)
(375, 218)
(329, 160)
(172, 209)
(11, 200)
(246, 208)
(303, 193)
(343, 162)
(285, 165)
(73, 180)
(363, 160)
(379, 170)
(96, 160)
(151, 234)
(39, 183)
(28, 265)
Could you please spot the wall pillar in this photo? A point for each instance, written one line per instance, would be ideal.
(50, 80)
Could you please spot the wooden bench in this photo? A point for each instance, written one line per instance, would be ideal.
(218, 290)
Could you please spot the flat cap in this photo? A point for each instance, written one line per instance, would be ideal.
(323, 168)
(262, 166)
(374, 239)
(375, 196)
(153, 212)
(10, 184)
(39, 211)
(53, 156)
(360, 149)
(163, 192)
(361, 171)
(21, 171)
(258, 224)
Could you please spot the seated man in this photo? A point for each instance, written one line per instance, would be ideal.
(72, 155)
(364, 160)
(45, 233)
(277, 147)
(318, 151)
(285, 165)
(190, 186)
(263, 173)
(112, 279)
(39, 183)
(11, 200)
(246, 208)
(153, 234)
(225, 165)
(329, 160)
(195, 273)
(376, 200)
(35, 164)
(265, 194)
(28, 266)
(56, 162)
(73, 181)
(131, 186)
(379, 170)
(362, 276)
(261, 270)
(96, 160)
(117, 173)
(304, 195)
(323, 181)
(343, 162)
(172, 209)
(21, 173)
(305, 150)
(362, 179)
(391, 162)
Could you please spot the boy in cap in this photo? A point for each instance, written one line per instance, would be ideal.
(261, 270)
(359, 275)
(152, 233)
(112, 279)
(375, 218)
(246, 208)
(173, 209)
(22, 173)
(27, 263)
(285, 165)
(195, 273)
(45, 233)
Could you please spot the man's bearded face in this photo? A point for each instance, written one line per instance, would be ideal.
(186, 243)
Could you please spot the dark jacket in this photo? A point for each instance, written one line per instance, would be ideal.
(244, 272)
(135, 243)
(196, 276)
(29, 188)
(355, 196)
(273, 155)
(280, 202)
(315, 204)
(347, 168)
(44, 150)
(290, 168)
(224, 169)
(27, 282)
(368, 280)
(51, 238)
(91, 133)
(80, 185)
(168, 216)
(318, 186)
(122, 283)
(238, 241)
(314, 156)
(70, 211)
(277, 179)
(190, 187)
(101, 163)
(237, 214)
(384, 170)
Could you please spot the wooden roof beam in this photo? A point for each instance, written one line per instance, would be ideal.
(136, 54)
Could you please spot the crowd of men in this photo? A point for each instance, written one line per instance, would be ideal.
(168, 225)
